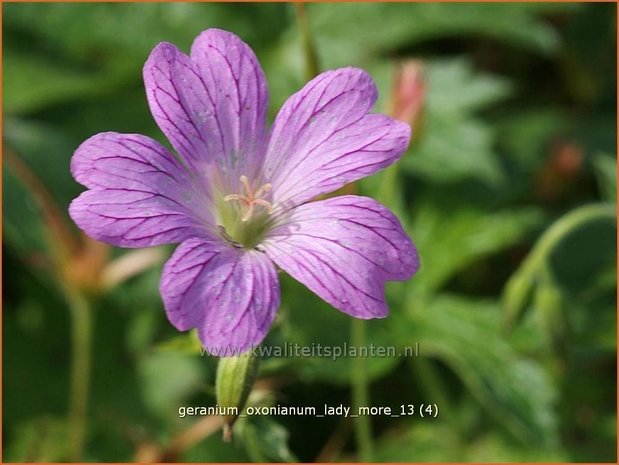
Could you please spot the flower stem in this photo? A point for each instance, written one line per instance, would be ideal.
(311, 56)
(520, 285)
(81, 316)
(360, 394)
(568, 223)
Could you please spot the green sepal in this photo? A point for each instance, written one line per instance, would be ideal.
(235, 378)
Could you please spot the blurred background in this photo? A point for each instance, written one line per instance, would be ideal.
(508, 190)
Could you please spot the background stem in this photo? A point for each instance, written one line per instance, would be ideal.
(360, 394)
(568, 223)
(520, 285)
(388, 181)
(81, 326)
(311, 57)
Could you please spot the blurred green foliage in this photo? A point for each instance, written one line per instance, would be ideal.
(517, 133)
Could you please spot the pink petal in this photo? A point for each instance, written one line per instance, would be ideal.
(211, 106)
(139, 194)
(344, 249)
(324, 138)
(230, 294)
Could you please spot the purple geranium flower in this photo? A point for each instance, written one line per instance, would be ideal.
(238, 196)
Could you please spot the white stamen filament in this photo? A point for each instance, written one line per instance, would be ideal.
(250, 198)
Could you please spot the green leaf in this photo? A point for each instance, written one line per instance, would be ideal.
(452, 144)
(493, 447)
(465, 335)
(450, 241)
(22, 227)
(167, 379)
(266, 440)
(96, 52)
(425, 442)
(82, 33)
(421, 442)
(449, 150)
(456, 89)
(340, 42)
(315, 326)
(606, 172)
(32, 82)
(41, 439)
(214, 450)
(592, 313)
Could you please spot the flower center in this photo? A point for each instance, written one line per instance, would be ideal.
(250, 199)
(244, 217)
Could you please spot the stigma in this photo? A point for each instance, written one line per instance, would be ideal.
(250, 198)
